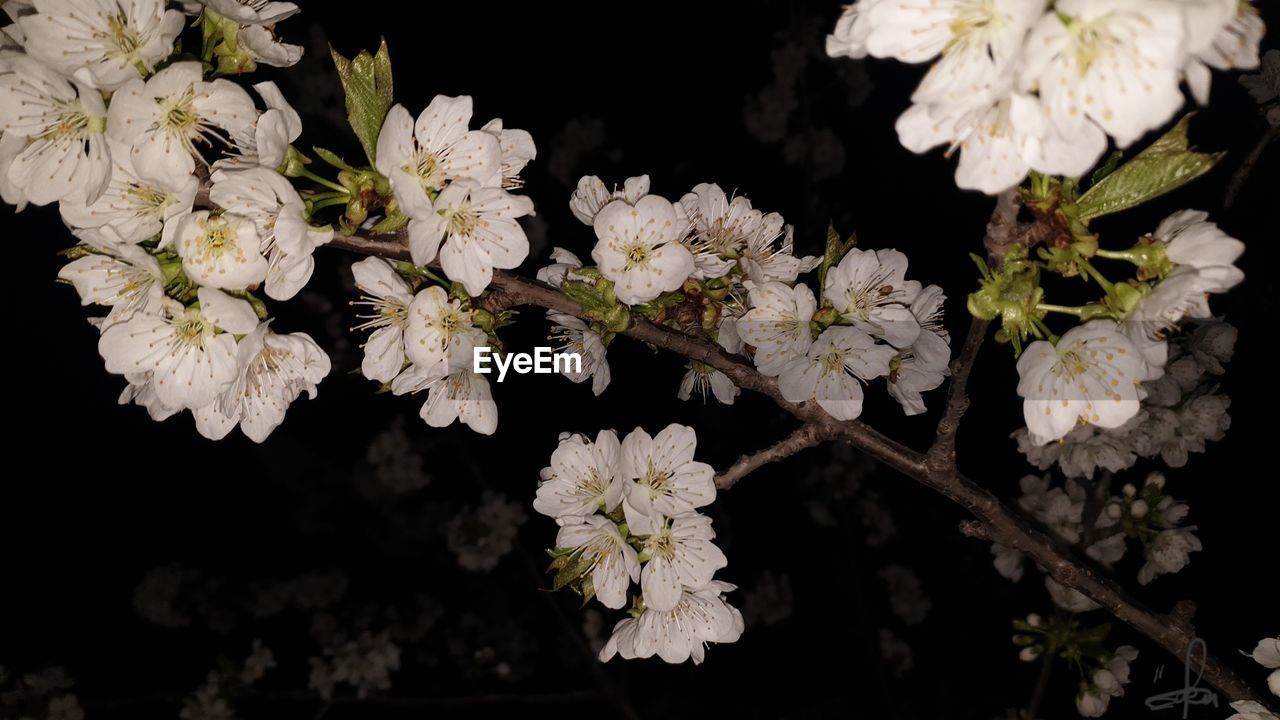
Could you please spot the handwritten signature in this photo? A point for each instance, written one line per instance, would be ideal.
(1191, 692)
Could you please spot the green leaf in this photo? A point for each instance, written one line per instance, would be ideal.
(835, 252)
(332, 158)
(366, 79)
(1169, 163)
(1106, 168)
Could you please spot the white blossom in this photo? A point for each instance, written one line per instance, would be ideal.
(190, 353)
(562, 266)
(1106, 682)
(1008, 562)
(925, 364)
(869, 289)
(1115, 63)
(701, 616)
(287, 240)
(455, 392)
(611, 561)
(385, 299)
(777, 325)
(103, 43)
(661, 478)
(57, 128)
(273, 370)
(134, 208)
(1093, 375)
(479, 230)
(838, 362)
(1267, 654)
(1169, 552)
(639, 248)
(1068, 599)
(1222, 34)
(573, 335)
(265, 141)
(583, 477)
(221, 251)
(164, 118)
(115, 273)
(516, 148)
(252, 12)
(423, 157)
(591, 195)
(678, 553)
(433, 321)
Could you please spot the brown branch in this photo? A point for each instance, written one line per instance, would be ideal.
(805, 437)
(995, 522)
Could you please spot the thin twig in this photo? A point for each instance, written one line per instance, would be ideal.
(805, 437)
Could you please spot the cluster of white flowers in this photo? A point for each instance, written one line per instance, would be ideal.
(737, 275)
(1267, 654)
(88, 123)
(1106, 682)
(1021, 85)
(452, 183)
(365, 664)
(482, 536)
(423, 341)
(1097, 373)
(1183, 410)
(628, 514)
(1146, 515)
(883, 325)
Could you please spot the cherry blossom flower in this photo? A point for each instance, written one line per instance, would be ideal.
(719, 227)
(770, 253)
(385, 299)
(1169, 552)
(591, 196)
(190, 353)
(838, 362)
(700, 377)
(1222, 34)
(102, 43)
(661, 478)
(678, 553)
(460, 394)
(1267, 654)
(611, 561)
(279, 215)
(163, 118)
(1106, 682)
(134, 208)
(479, 229)
(924, 365)
(563, 265)
(262, 45)
(517, 150)
(115, 273)
(433, 321)
(220, 251)
(777, 324)
(57, 128)
(869, 289)
(701, 616)
(273, 370)
(977, 39)
(265, 142)
(422, 157)
(572, 335)
(1113, 62)
(583, 477)
(1093, 375)
(639, 248)
(849, 39)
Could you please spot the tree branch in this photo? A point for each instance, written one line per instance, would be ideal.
(996, 522)
(805, 437)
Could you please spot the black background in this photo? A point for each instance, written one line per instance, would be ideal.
(96, 494)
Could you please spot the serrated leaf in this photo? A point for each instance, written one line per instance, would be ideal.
(1168, 164)
(366, 80)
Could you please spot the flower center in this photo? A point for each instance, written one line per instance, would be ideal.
(124, 41)
(426, 166)
(637, 255)
(73, 122)
(217, 238)
(463, 220)
(832, 361)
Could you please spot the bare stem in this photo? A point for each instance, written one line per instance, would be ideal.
(805, 437)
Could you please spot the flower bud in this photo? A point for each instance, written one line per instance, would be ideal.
(1029, 654)
(1139, 508)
